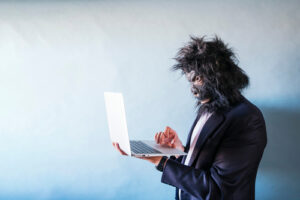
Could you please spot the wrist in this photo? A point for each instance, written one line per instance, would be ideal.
(162, 163)
(157, 161)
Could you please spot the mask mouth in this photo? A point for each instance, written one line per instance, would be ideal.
(195, 91)
(203, 92)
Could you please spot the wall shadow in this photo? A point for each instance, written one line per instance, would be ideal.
(279, 174)
(283, 131)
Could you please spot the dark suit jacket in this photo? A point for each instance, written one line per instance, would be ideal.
(225, 159)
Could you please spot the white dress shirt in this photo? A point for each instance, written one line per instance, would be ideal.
(195, 135)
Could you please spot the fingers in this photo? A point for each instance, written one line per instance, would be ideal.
(173, 137)
(117, 146)
(172, 133)
(162, 139)
(168, 137)
(158, 137)
(172, 141)
(120, 150)
(167, 131)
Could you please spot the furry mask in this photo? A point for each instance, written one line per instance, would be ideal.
(205, 91)
(222, 79)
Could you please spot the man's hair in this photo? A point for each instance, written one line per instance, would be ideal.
(216, 64)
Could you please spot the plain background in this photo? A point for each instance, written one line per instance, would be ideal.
(58, 57)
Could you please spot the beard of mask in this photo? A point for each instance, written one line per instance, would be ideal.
(217, 101)
(207, 92)
(203, 92)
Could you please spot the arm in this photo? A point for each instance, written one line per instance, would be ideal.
(235, 162)
(188, 178)
(168, 138)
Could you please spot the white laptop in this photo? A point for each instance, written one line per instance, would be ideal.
(118, 131)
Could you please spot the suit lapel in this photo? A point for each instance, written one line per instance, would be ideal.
(187, 146)
(209, 127)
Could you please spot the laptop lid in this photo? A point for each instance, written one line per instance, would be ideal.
(117, 125)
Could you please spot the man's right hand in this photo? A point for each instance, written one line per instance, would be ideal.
(169, 138)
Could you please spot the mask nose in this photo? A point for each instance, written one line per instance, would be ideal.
(194, 90)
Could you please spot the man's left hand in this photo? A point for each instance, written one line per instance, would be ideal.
(155, 159)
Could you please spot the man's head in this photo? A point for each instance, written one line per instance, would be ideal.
(211, 68)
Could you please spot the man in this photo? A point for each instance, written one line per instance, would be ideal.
(228, 136)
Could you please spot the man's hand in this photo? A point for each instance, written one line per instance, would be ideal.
(117, 146)
(169, 138)
(155, 159)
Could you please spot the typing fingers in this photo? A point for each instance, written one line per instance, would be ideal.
(163, 138)
(160, 138)
(156, 138)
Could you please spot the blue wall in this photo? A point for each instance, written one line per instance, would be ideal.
(58, 57)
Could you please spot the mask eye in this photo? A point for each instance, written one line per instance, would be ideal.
(198, 78)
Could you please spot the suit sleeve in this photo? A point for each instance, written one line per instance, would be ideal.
(196, 182)
(179, 157)
(233, 163)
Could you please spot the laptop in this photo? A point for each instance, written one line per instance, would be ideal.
(118, 131)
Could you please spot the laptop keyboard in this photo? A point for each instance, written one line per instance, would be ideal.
(139, 147)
